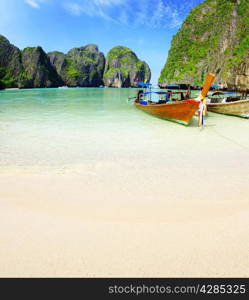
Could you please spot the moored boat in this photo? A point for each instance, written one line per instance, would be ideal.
(229, 104)
(181, 111)
(238, 108)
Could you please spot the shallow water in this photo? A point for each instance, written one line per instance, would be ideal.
(61, 126)
(72, 126)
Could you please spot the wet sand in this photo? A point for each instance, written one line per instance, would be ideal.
(182, 213)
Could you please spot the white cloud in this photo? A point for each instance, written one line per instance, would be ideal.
(36, 3)
(33, 3)
(90, 8)
(148, 13)
(158, 14)
(108, 2)
(176, 21)
(73, 8)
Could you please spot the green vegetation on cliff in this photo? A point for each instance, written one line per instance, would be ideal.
(71, 70)
(10, 64)
(38, 68)
(123, 68)
(123, 54)
(214, 37)
(83, 66)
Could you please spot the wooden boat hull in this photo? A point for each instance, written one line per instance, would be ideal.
(178, 111)
(237, 108)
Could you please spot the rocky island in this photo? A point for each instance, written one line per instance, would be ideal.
(213, 38)
(38, 69)
(124, 69)
(84, 66)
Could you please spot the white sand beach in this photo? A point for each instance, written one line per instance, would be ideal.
(175, 205)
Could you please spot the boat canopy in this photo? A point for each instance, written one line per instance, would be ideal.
(165, 93)
(162, 93)
(173, 85)
(223, 93)
(215, 86)
(144, 83)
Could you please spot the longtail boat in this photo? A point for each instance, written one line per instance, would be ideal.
(180, 111)
(229, 103)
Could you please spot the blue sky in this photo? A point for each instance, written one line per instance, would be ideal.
(145, 26)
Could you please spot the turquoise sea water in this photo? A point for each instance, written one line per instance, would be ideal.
(66, 126)
(78, 125)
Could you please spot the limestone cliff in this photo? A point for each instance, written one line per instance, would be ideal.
(123, 68)
(213, 38)
(37, 66)
(83, 66)
(11, 70)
